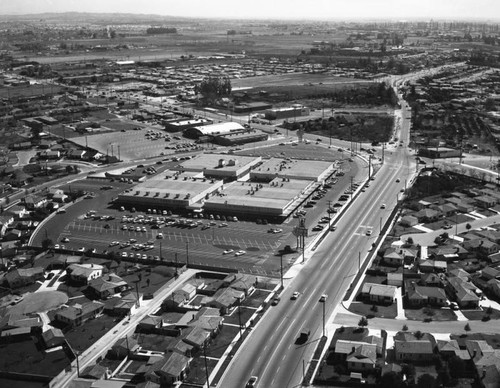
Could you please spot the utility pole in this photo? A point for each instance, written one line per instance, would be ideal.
(239, 318)
(329, 214)
(281, 269)
(176, 273)
(369, 167)
(187, 254)
(206, 367)
(359, 261)
(161, 258)
(324, 318)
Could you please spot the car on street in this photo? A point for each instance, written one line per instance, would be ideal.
(295, 295)
(383, 206)
(275, 300)
(65, 239)
(82, 249)
(252, 382)
(275, 230)
(56, 246)
(228, 251)
(398, 180)
(323, 297)
(333, 228)
(223, 225)
(369, 232)
(239, 253)
(317, 228)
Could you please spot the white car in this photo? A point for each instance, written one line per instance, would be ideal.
(228, 251)
(323, 298)
(368, 232)
(383, 206)
(295, 295)
(239, 253)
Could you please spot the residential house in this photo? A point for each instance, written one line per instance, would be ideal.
(5, 222)
(168, 371)
(493, 286)
(108, 285)
(197, 337)
(53, 337)
(485, 201)
(419, 296)
(393, 257)
(428, 266)
(450, 348)
(430, 280)
(448, 253)
(149, 323)
(19, 212)
(21, 277)
(395, 278)
(177, 301)
(463, 293)
(414, 351)
(427, 215)
(124, 305)
(188, 290)
(241, 282)
(478, 349)
(226, 298)
(446, 209)
(459, 273)
(84, 273)
(379, 293)
(488, 273)
(122, 348)
(463, 205)
(492, 235)
(95, 372)
(359, 356)
(408, 221)
(481, 246)
(78, 314)
(16, 334)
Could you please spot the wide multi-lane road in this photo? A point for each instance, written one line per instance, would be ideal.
(270, 352)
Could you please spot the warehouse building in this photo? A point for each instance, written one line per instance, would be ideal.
(233, 139)
(249, 107)
(295, 110)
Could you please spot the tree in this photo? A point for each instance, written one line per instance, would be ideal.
(456, 366)
(405, 328)
(467, 327)
(391, 379)
(47, 243)
(363, 322)
(409, 241)
(468, 226)
(426, 381)
(213, 88)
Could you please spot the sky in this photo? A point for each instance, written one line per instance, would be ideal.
(272, 9)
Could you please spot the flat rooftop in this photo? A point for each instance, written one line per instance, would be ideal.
(172, 183)
(213, 162)
(276, 195)
(293, 168)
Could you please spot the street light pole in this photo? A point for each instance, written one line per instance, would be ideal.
(281, 269)
(324, 318)
(187, 254)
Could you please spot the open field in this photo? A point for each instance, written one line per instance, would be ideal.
(40, 302)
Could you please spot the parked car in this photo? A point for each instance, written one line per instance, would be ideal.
(239, 253)
(295, 295)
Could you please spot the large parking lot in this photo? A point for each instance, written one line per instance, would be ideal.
(215, 240)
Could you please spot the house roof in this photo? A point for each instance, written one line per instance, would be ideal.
(72, 312)
(365, 354)
(491, 272)
(413, 347)
(108, 282)
(423, 292)
(197, 336)
(83, 270)
(172, 364)
(382, 290)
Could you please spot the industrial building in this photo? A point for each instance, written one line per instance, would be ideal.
(233, 139)
(248, 107)
(296, 110)
(440, 152)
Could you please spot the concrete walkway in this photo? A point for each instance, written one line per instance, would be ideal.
(399, 300)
